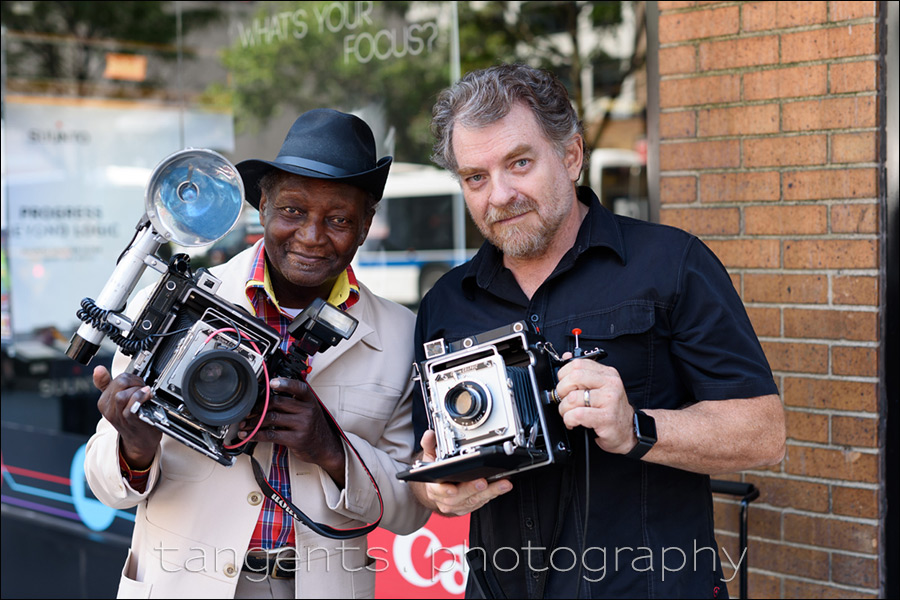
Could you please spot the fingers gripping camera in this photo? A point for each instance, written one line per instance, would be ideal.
(485, 397)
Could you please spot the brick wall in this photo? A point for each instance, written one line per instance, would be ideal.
(769, 152)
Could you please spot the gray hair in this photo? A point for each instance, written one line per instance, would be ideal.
(485, 96)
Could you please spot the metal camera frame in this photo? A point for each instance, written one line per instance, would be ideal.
(499, 445)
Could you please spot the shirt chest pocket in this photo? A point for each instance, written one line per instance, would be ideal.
(625, 332)
(365, 410)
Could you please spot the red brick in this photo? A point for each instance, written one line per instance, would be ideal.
(766, 321)
(744, 52)
(809, 427)
(854, 570)
(854, 218)
(791, 289)
(832, 113)
(740, 120)
(830, 394)
(853, 360)
(692, 91)
(831, 533)
(796, 357)
(783, 220)
(830, 324)
(831, 254)
(854, 431)
(855, 9)
(784, 151)
(781, 558)
(757, 16)
(855, 290)
(740, 187)
(678, 59)
(674, 4)
(760, 585)
(781, 15)
(859, 76)
(677, 189)
(760, 254)
(855, 502)
(678, 27)
(849, 465)
(832, 183)
(792, 82)
(823, 44)
(853, 147)
(794, 588)
(703, 221)
(680, 124)
(786, 492)
(679, 156)
(762, 522)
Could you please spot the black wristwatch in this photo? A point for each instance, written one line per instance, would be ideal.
(645, 430)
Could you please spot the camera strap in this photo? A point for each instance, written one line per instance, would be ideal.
(296, 513)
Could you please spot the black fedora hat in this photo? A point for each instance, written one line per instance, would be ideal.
(324, 144)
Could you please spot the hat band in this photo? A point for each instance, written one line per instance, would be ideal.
(313, 165)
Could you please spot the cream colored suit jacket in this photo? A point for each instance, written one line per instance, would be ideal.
(196, 517)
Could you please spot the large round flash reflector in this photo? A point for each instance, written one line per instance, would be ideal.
(194, 197)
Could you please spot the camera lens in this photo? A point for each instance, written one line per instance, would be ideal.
(219, 387)
(467, 403)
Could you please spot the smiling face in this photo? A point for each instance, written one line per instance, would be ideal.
(312, 230)
(519, 189)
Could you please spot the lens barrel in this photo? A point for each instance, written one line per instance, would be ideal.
(468, 403)
(219, 387)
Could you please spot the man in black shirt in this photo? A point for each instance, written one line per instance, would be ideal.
(682, 356)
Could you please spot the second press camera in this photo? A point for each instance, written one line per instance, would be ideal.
(490, 401)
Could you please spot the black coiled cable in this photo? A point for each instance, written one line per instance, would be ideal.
(96, 317)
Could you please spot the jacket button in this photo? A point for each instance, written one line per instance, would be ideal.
(254, 498)
(230, 570)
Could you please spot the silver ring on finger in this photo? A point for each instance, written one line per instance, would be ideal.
(587, 398)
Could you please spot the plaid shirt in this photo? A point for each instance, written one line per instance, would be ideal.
(275, 528)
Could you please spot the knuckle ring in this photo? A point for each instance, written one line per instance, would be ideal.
(587, 398)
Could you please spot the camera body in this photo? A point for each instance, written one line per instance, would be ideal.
(205, 359)
(202, 357)
(487, 398)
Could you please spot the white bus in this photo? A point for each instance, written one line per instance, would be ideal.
(420, 232)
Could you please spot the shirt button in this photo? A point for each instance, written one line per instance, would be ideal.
(529, 523)
(535, 574)
(230, 570)
(534, 318)
(254, 498)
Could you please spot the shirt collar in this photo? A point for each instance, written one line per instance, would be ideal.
(600, 228)
(344, 293)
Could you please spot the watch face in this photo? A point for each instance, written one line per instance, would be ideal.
(646, 426)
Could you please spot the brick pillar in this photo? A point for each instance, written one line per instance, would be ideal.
(769, 151)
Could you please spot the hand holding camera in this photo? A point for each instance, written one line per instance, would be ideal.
(593, 396)
(295, 419)
(462, 498)
(139, 440)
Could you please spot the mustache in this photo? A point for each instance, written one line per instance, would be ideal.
(496, 214)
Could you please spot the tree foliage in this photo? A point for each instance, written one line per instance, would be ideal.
(277, 71)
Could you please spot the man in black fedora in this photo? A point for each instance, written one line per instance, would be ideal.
(204, 530)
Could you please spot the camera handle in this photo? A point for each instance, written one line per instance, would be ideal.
(320, 528)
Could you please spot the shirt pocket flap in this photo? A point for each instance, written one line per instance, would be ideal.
(624, 319)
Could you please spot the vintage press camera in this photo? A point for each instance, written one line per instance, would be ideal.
(206, 360)
(209, 361)
(490, 401)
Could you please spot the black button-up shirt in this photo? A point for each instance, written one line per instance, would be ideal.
(663, 307)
